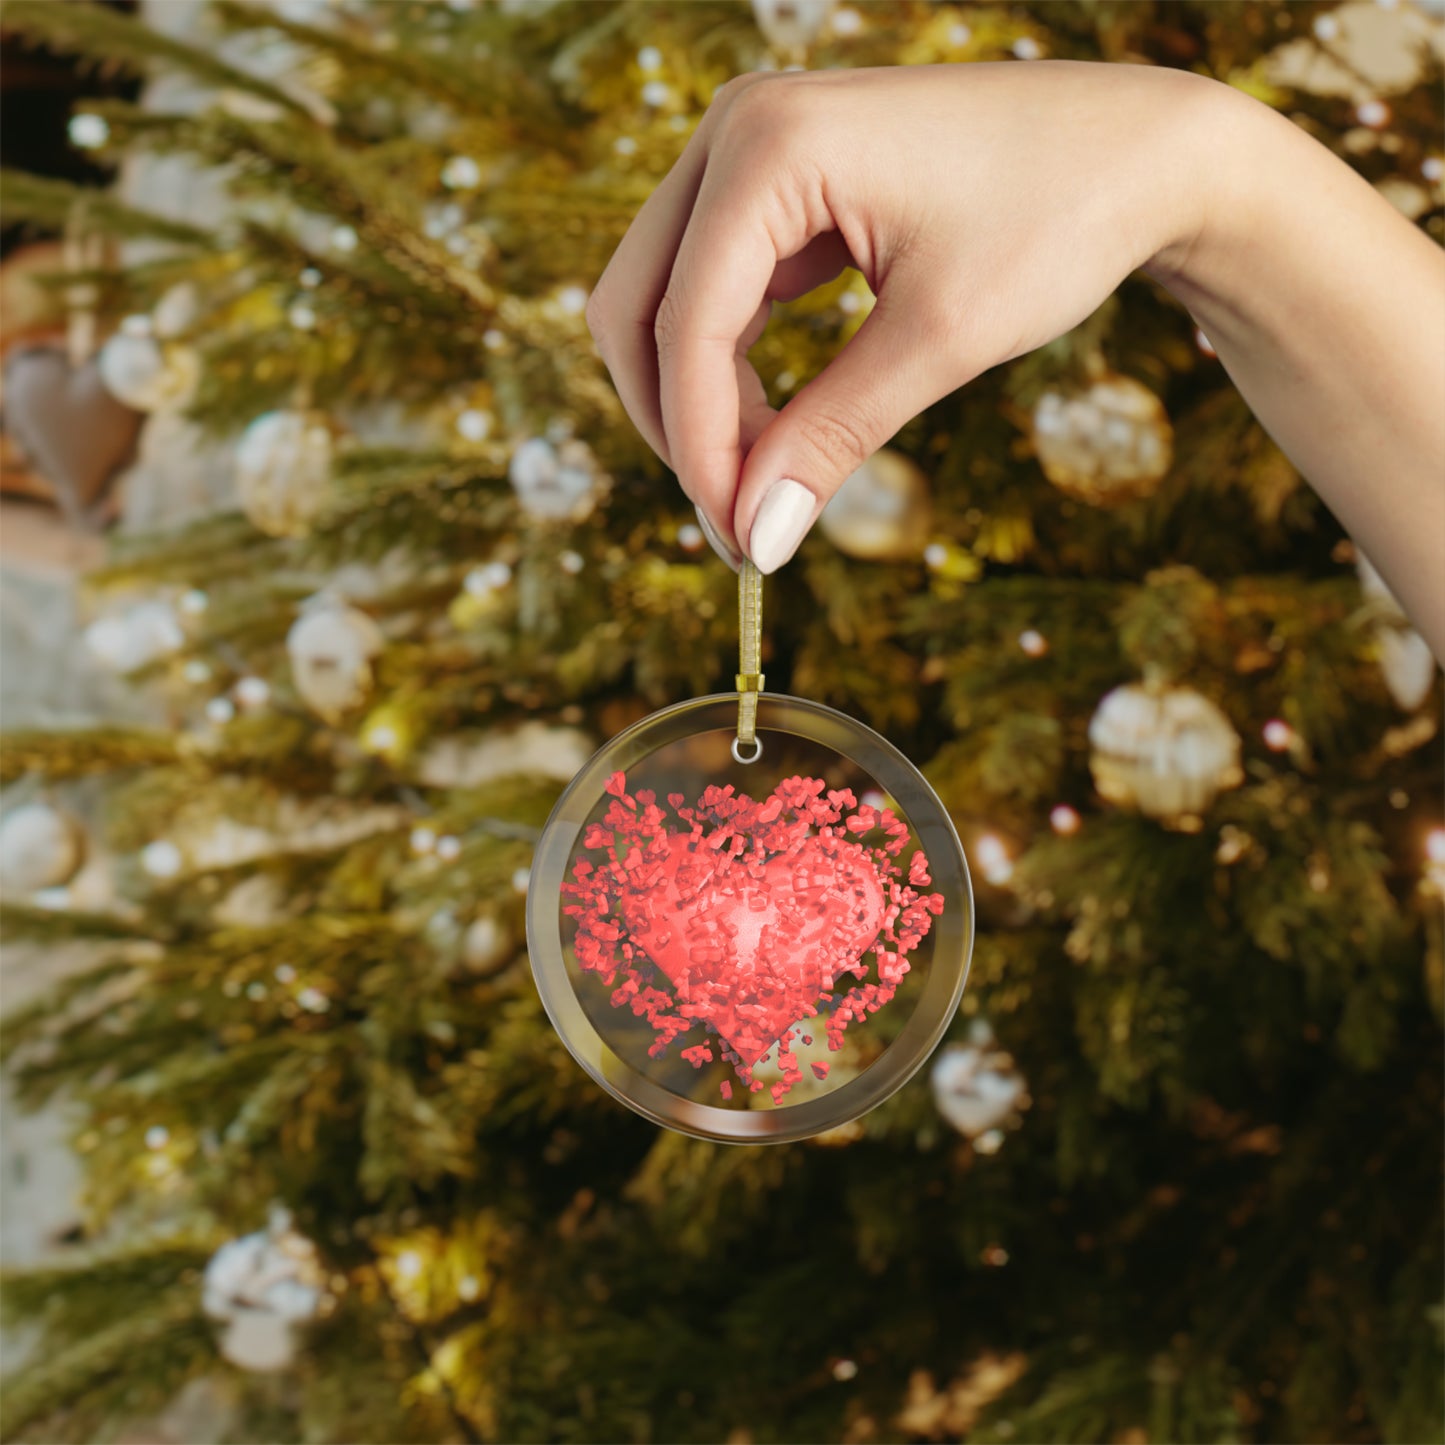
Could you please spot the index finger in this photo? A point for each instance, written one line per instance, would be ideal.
(624, 302)
(718, 287)
(623, 307)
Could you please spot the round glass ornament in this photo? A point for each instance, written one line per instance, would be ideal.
(747, 943)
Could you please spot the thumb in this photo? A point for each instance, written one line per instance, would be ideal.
(899, 362)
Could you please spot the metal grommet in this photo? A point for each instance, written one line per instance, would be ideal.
(757, 751)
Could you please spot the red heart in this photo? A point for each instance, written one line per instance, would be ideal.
(750, 946)
(752, 912)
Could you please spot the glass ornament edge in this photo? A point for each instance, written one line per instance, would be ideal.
(866, 749)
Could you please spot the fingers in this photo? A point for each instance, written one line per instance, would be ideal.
(732, 227)
(754, 417)
(622, 310)
(895, 366)
(823, 258)
(623, 304)
(719, 283)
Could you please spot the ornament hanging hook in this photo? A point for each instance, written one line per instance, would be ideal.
(747, 747)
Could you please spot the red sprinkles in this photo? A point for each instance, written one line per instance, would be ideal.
(755, 914)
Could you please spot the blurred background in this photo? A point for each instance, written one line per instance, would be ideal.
(328, 556)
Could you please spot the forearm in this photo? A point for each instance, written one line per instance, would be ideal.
(1327, 308)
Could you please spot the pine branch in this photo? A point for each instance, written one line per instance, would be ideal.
(521, 110)
(83, 752)
(53, 204)
(69, 1297)
(309, 165)
(126, 1355)
(218, 547)
(61, 925)
(38, 1022)
(117, 42)
(345, 185)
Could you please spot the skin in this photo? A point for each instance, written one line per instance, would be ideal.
(990, 209)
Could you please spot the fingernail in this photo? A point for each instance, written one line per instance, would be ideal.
(716, 542)
(781, 524)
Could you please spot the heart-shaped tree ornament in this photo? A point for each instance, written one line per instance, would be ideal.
(745, 921)
(76, 434)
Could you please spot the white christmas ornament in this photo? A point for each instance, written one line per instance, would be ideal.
(461, 173)
(252, 692)
(474, 425)
(331, 647)
(882, 512)
(1110, 443)
(87, 131)
(161, 859)
(176, 311)
(1405, 656)
(976, 1087)
(262, 1287)
(486, 945)
(792, 25)
(142, 634)
(469, 760)
(283, 470)
(146, 374)
(554, 483)
(1166, 751)
(572, 300)
(488, 578)
(40, 847)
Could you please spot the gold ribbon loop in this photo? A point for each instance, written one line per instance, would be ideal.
(746, 746)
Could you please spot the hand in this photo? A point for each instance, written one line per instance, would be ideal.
(989, 207)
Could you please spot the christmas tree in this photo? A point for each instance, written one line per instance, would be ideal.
(1176, 1175)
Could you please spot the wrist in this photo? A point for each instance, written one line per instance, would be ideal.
(1242, 162)
(1217, 144)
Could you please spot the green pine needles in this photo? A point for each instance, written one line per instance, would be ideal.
(1220, 1218)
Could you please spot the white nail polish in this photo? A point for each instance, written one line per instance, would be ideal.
(781, 524)
(716, 542)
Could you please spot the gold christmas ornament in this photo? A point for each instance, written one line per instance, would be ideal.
(283, 470)
(331, 647)
(40, 847)
(882, 512)
(1405, 656)
(1166, 751)
(142, 372)
(1110, 443)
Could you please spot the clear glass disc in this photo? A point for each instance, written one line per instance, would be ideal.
(750, 951)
